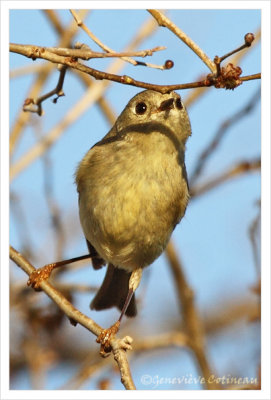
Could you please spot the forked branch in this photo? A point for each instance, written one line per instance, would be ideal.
(119, 346)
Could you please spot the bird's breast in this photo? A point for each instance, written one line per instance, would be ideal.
(133, 200)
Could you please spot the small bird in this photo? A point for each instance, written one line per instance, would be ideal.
(133, 191)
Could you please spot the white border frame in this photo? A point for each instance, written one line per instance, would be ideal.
(83, 394)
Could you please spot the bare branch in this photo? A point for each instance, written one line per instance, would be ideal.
(241, 168)
(73, 287)
(93, 93)
(119, 346)
(126, 58)
(42, 68)
(236, 60)
(162, 20)
(71, 312)
(192, 322)
(54, 20)
(225, 77)
(29, 103)
(87, 54)
(210, 148)
(53, 208)
(23, 118)
(46, 142)
(27, 70)
(34, 52)
(177, 339)
(88, 369)
(249, 38)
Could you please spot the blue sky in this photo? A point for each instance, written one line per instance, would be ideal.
(212, 239)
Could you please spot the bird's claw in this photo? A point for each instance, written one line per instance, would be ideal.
(105, 337)
(40, 275)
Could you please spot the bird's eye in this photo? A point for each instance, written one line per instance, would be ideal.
(141, 108)
(178, 104)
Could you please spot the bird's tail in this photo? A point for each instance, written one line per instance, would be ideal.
(113, 292)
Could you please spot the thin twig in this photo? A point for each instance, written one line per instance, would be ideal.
(238, 57)
(88, 369)
(242, 167)
(34, 52)
(81, 24)
(75, 287)
(176, 339)
(54, 20)
(23, 118)
(162, 20)
(87, 54)
(235, 60)
(250, 77)
(58, 90)
(53, 208)
(230, 311)
(102, 103)
(216, 140)
(249, 38)
(27, 70)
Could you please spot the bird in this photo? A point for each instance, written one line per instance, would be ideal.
(133, 191)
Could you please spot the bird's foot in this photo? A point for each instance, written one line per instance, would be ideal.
(105, 337)
(40, 275)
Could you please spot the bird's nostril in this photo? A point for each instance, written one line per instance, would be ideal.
(166, 105)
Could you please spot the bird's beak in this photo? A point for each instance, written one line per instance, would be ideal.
(166, 105)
